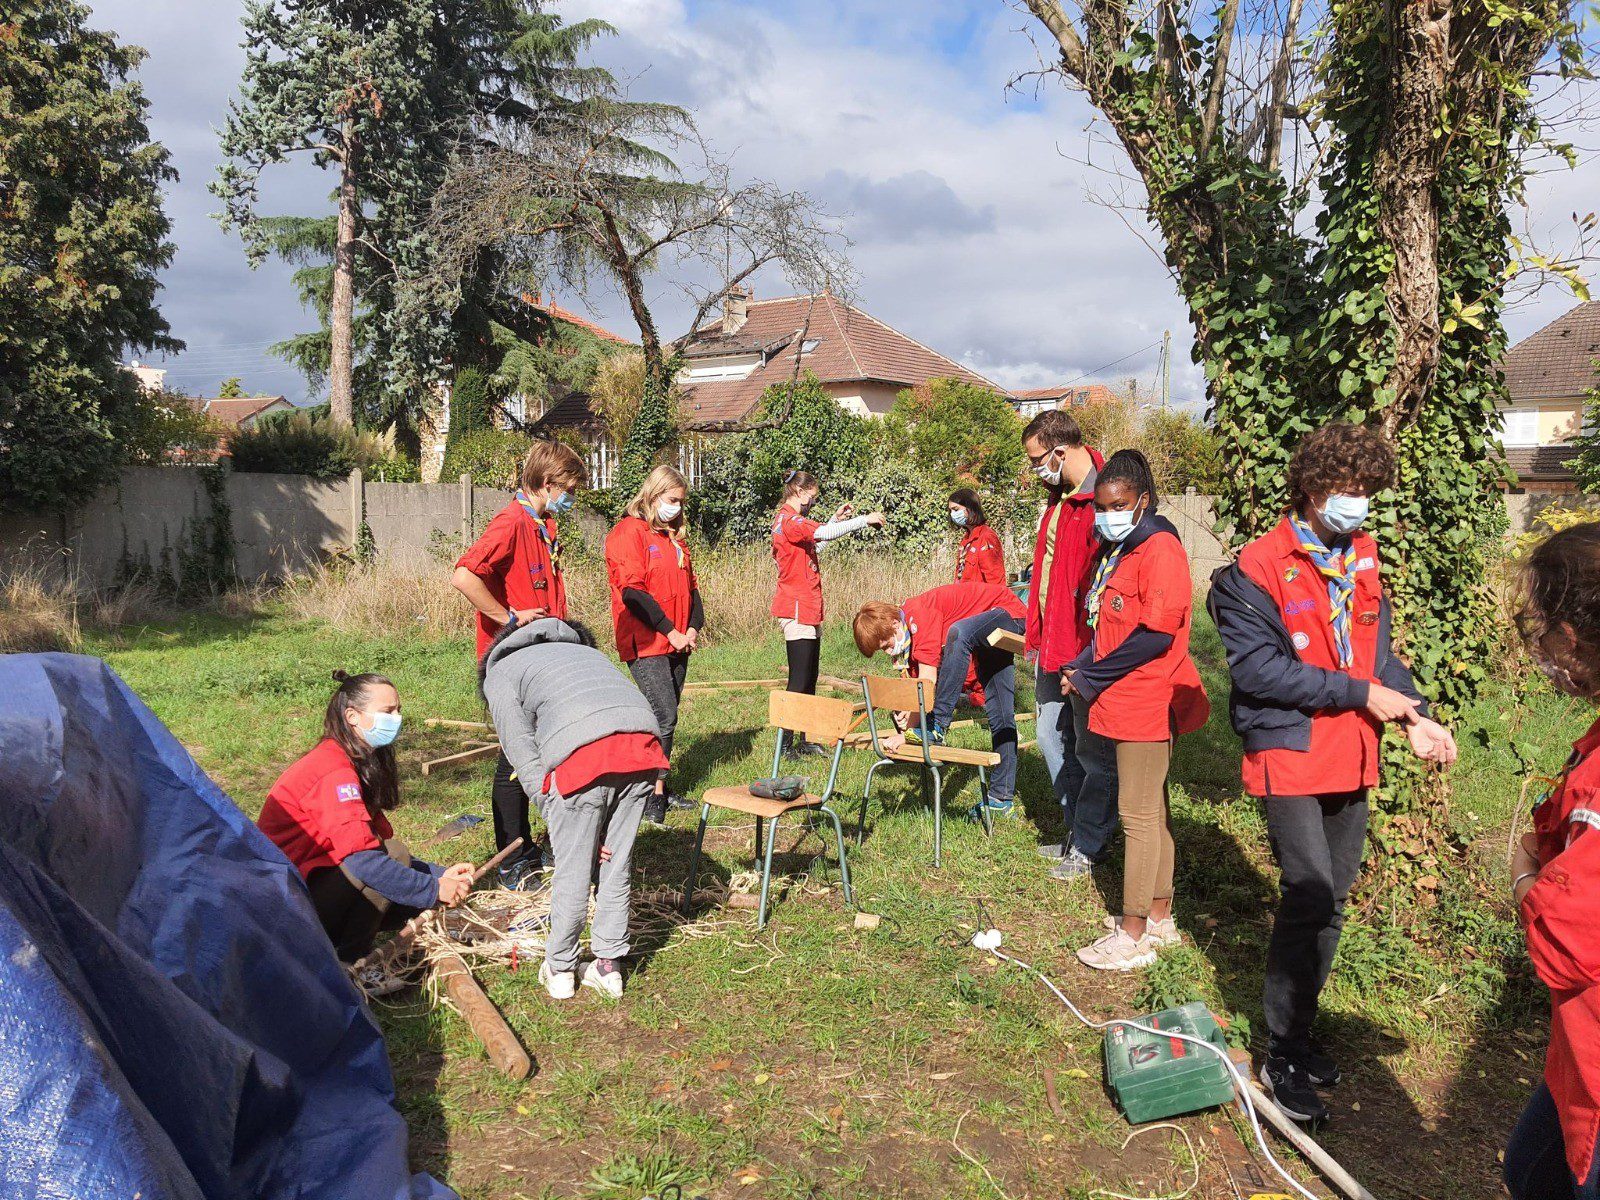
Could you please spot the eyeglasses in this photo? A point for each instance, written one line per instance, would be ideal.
(1035, 459)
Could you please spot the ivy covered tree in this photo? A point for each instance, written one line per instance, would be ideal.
(82, 241)
(1332, 205)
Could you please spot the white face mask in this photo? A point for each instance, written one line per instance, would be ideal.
(1344, 514)
(958, 516)
(667, 512)
(1044, 471)
(901, 646)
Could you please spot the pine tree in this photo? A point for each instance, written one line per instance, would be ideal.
(82, 240)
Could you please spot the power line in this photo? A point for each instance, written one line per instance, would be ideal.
(1109, 365)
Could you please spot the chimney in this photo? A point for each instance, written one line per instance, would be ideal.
(735, 310)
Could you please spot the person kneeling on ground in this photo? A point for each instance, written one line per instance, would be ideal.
(326, 813)
(937, 634)
(586, 747)
(1555, 881)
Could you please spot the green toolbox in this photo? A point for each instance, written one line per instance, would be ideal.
(1154, 1077)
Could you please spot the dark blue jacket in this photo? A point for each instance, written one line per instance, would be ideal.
(1275, 694)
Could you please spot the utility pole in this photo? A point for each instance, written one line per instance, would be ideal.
(1166, 369)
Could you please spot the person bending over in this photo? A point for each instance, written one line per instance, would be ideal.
(936, 635)
(327, 814)
(586, 748)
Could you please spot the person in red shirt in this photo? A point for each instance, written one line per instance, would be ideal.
(1143, 690)
(1081, 764)
(512, 574)
(938, 635)
(979, 558)
(1305, 623)
(656, 609)
(1555, 881)
(327, 814)
(797, 603)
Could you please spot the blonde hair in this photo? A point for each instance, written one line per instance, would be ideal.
(657, 484)
(551, 462)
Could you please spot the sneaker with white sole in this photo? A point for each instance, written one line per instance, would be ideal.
(562, 985)
(1116, 951)
(604, 975)
(1163, 932)
(1074, 864)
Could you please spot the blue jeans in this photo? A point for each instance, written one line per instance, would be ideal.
(968, 642)
(1536, 1157)
(1082, 766)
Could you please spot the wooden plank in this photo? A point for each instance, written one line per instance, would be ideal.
(1004, 639)
(849, 686)
(965, 722)
(440, 721)
(1021, 746)
(730, 685)
(958, 755)
(823, 719)
(465, 756)
(473, 1003)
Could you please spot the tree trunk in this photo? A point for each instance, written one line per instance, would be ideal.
(342, 306)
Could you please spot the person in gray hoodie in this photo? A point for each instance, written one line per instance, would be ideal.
(586, 748)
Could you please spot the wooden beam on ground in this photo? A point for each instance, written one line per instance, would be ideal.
(965, 722)
(1021, 746)
(440, 721)
(461, 758)
(505, 1051)
(731, 685)
(849, 686)
(1004, 639)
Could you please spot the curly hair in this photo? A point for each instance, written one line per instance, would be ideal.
(1560, 585)
(1340, 457)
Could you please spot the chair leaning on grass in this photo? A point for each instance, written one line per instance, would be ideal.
(911, 696)
(824, 720)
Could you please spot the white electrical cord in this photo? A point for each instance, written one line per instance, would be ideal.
(990, 940)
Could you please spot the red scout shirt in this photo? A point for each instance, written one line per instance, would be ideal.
(1561, 917)
(1343, 756)
(1149, 586)
(519, 562)
(1059, 629)
(315, 812)
(930, 615)
(643, 557)
(794, 549)
(980, 559)
(614, 754)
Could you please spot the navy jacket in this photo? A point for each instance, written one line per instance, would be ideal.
(1274, 693)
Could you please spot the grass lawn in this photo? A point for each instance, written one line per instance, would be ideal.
(816, 1060)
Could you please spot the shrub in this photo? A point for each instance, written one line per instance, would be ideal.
(493, 457)
(1183, 452)
(469, 414)
(169, 426)
(958, 433)
(298, 444)
(913, 506)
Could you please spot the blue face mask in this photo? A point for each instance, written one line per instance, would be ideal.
(385, 728)
(958, 517)
(560, 504)
(1344, 514)
(1115, 526)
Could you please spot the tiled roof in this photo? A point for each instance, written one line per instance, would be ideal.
(1558, 361)
(551, 309)
(851, 347)
(572, 411)
(1080, 393)
(1534, 463)
(234, 411)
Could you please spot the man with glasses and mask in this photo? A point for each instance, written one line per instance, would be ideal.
(1081, 763)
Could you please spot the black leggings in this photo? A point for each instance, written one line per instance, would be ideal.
(805, 659)
(510, 806)
(351, 920)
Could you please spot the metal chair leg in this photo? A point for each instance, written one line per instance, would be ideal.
(694, 861)
(866, 793)
(983, 803)
(766, 873)
(938, 817)
(844, 864)
(758, 840)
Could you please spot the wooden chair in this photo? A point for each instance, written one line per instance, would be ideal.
(824, 720)
(911, 696)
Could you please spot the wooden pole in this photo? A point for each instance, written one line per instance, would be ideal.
(505, 1051)
(1315, 1154)
(408, 932)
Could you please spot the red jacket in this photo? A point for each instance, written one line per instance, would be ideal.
(1561, 916)
(794, 549)
(316, 814)
(519, 560)
(1343, 756)
(1062, 630)
(930, 615)
(1149, 586)
(640, 556)
(980, 559)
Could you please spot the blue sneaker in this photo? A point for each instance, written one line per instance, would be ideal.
(996, 808)
(935, 736)
(526, 874)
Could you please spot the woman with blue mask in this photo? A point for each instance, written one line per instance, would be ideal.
(327, 813)
(1142, 690)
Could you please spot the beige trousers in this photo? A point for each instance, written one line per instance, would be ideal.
(1146, 824)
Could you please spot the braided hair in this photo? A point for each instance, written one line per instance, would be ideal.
(1132, 469)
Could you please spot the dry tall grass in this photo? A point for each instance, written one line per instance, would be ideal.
(37, 612)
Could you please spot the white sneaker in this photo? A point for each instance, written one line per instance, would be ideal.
(562, 985)
(1163, 932)
(1116, 951)
(375, 983)
(605, 979)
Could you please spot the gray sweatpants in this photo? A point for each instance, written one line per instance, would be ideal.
(607, 813)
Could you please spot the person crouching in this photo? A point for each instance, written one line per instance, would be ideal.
(586, 748)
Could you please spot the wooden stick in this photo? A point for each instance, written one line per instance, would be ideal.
(969, 721)
(465, 756)
(1021, 746)
(457, 724)
(1320, 1158)
(728, 685)
(1004, 639)
(411, 928)
(505, 1051)
(1052, 1095)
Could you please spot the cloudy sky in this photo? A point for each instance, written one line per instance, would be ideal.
(979, 226)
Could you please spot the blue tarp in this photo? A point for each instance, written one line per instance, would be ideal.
(173, 1023)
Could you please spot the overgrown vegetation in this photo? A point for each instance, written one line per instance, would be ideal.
(300, 444)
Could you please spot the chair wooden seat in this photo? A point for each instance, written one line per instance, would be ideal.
(959, 755)
(739, 799)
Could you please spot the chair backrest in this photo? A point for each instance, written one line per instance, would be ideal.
(823, 719)
(897, 693)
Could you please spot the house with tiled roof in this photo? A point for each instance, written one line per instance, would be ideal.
(240, 412)
(1030, 402)
(862, 362)
(1549, 376)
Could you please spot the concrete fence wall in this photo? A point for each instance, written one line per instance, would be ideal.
(283, 524)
